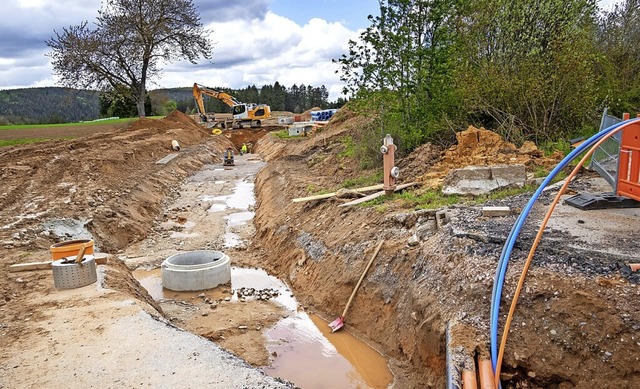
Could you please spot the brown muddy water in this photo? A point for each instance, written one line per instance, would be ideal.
(306, 352)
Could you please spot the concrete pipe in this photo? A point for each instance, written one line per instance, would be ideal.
(175, 146)
(196, 270)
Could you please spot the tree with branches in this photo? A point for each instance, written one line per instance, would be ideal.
(131, 41)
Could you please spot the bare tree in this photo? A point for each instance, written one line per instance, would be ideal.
(130, 42)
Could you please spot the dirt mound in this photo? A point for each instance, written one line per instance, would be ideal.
(481, 147)
(99, 178)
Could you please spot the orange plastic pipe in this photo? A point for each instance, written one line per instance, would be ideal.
(469, 380)
(634, 266)
(534, 246)
(486, 374)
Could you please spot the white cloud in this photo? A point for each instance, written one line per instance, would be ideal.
(270, 50)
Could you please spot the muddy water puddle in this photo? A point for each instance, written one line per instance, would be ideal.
(241, 199)
(304, 350)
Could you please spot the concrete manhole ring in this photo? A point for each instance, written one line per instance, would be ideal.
(196, 270)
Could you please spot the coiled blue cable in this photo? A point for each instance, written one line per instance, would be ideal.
(501, 269)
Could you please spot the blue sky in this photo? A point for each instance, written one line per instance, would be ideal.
(352, 14)
(289, 41)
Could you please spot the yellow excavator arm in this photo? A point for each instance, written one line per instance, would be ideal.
(199, 90)
(240, 111)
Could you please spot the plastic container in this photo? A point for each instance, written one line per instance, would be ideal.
(69, 248)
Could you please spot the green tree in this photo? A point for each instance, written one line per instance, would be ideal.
(130, 41)
(618, 39)
(531, 66)
(403, 68)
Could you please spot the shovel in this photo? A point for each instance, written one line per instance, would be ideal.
(339, 322)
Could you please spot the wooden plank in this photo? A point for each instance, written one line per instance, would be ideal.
(167, 159)
(376, 195)
(327, 195)
(100, 258)
(363, 199)
(30, 266)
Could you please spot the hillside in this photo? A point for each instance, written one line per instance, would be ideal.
(47, 105)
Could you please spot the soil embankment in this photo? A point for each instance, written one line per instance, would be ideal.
(415, 291)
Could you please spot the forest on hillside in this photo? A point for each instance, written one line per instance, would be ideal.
(47, 105)
(64, 105)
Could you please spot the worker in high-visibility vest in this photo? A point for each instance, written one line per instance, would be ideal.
(243, 150)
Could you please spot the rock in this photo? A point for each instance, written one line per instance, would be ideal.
(205, 313)
(213, 306)
(227, 299)
(242, 327)
(478, 180)
(413, 241)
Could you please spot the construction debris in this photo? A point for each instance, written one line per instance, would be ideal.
(376, 195)
(495, 211)
(332, 194)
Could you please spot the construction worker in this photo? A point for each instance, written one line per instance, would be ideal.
(243, 150)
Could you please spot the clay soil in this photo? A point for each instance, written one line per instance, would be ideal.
(575, 327)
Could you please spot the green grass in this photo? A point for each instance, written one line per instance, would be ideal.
(6, 143)
(349, 147)
(432, 199)
(362, 181)
(112, 121)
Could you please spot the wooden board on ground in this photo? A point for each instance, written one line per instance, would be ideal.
(328, 195)
(376, 195)
(167, 159)
(100, 258)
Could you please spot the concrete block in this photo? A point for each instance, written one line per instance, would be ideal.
(478, 180)
(495, 211)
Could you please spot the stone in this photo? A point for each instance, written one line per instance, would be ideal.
(478, 180)
(413, 241)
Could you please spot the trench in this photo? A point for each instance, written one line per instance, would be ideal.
(301, 347)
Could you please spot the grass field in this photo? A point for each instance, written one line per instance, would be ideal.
(11, 135)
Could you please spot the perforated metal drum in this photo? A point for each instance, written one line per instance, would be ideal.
(68, 274)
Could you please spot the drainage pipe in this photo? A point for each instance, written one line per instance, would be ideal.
(486, 374)
(451, 384)
(469, 380)
(536, 242)
(175, 146)
(515, 231)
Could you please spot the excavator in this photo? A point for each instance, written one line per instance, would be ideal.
(242, 114)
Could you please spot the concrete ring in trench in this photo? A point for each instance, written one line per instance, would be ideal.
(196, 270)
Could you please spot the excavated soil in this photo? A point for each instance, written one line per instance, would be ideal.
(576, 325)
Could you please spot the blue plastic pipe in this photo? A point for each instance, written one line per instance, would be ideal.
(501, 270)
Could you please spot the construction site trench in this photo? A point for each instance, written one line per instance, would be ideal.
(420, 316)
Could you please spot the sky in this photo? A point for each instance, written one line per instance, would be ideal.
(255, 41)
